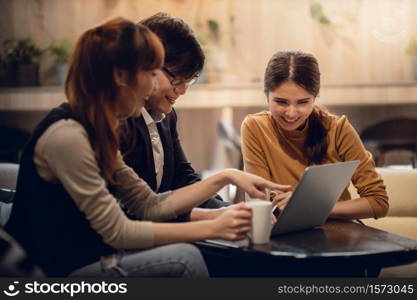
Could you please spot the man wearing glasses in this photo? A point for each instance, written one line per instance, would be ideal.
(150, 143)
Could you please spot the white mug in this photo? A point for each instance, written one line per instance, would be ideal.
(261, 220)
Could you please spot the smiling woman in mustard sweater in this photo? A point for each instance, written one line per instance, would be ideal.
(295, 133)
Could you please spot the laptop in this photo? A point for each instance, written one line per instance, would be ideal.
(314, 197)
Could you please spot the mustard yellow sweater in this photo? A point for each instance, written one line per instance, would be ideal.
(275, 154)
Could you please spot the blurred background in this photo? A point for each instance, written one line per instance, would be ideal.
(367, 51)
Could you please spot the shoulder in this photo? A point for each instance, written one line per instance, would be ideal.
(65, 129)
(340, 129)
(257, 127)
(332, 121)
(261, 119)
(63, 136)
(342, 124)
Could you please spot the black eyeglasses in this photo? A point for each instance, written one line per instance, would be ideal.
(178, 81)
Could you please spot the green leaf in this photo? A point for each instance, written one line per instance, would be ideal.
(214, 29)
(316, 12)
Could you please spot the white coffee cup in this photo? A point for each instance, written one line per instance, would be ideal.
(261, 220)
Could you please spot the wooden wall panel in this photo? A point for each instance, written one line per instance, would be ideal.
(365, 43)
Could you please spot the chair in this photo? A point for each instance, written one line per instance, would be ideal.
(13, 259)
(8, 175)
(402, 215)
(394, 134)
(232, 141)
(8, 178)
(11, 143)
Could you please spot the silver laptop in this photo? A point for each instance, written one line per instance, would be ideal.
(314, 197)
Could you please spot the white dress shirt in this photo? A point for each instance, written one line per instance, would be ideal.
(151, 119)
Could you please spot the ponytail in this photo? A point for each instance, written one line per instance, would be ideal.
(315, 144)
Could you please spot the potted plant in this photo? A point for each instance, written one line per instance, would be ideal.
(20, 63)
(412, 50)
(216, 59)
(61, 51)
(318, 15)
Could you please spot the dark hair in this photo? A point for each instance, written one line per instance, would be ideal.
(183, 53)
(303, 69)
(90, 86)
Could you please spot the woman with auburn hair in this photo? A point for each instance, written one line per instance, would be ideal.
(296, 133)
(72, 180)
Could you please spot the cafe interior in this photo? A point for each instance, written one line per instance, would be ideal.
(366, 49)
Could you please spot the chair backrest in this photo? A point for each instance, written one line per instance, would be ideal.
(8, 175)
(399, 129)
(231, 139)
(13, 259)
(12, 143)
(229, 135)
(391, 135)
(401, 189)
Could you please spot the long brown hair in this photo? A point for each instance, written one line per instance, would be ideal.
(90, 86)
(303, 69)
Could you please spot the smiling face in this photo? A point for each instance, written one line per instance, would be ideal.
(163, 99)
(290, 105)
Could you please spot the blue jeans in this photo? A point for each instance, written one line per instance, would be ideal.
(175, 260)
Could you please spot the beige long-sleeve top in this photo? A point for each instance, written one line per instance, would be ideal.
(63, 154)
(275, 154)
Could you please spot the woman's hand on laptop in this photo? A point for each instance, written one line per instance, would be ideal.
(280, 201)
(254, 185)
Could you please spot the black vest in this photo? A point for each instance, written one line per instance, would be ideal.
(45, 219)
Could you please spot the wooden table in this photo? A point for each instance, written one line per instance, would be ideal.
(338, 248)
